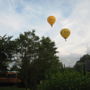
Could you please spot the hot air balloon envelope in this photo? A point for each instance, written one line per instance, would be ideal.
(65, 33)
(51, 20)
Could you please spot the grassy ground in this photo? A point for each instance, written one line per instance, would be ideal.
(11, 88)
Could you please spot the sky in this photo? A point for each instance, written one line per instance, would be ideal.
(18, 16)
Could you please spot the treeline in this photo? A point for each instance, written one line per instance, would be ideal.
(38, 65)
(34, 58)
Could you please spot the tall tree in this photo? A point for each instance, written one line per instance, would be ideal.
(28, 52)
(49, 59)
(38, 58)
(47, 63)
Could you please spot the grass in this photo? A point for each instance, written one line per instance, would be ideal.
(11, 88)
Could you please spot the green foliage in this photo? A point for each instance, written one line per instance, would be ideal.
(48, 60)
(83, 65)
(7, 48)
(38, 58)
(27, 49)
(38, 65)
(66, 81)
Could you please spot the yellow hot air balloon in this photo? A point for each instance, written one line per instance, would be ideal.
(65, 33)
(51, 20)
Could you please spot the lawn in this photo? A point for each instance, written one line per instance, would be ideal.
(11, 88)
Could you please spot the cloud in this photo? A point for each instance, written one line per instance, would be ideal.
(70, 60)
(79, 24)
(17, 16)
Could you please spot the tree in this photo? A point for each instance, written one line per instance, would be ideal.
(7, 47)
(48, 58)
(83, 64)
(38, 58)
(47, 63)
(28, 51)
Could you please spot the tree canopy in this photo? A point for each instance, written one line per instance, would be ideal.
(83, 65)
(37, 58)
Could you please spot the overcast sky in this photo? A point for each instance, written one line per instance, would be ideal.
(17, 16)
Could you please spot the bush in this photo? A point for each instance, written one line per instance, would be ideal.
(66, 81)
